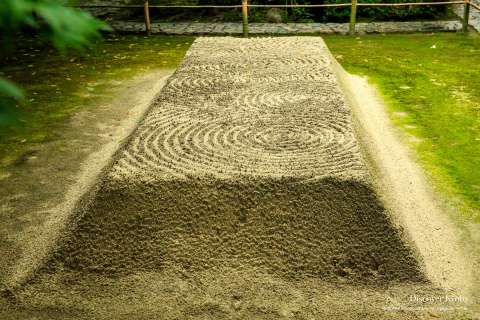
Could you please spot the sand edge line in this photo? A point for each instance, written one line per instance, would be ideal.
(404, 189)
(42, 241)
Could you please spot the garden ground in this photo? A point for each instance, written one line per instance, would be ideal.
(76, 105)
(430, 82)
(434, 139)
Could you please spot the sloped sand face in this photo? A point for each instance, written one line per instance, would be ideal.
(243, 193)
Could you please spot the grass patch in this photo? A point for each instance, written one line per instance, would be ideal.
(58, 86)
(431, 84)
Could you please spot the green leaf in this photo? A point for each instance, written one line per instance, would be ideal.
(10, 96)
(63, 26)
(9, 90)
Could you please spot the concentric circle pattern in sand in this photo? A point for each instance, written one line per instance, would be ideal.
(264, 107)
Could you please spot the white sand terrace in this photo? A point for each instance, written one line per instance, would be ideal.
(253, 107)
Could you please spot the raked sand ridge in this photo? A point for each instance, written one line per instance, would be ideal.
(242, 194)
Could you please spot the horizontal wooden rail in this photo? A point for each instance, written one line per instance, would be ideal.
(155, 6)
(408, 4)
(476, 6)
(114, 6)
(326, 5)
(199, 6)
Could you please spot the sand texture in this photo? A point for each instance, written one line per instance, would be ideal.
(243, 194)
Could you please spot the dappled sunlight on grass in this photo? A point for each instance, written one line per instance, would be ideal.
(58, 86)
(431, 83)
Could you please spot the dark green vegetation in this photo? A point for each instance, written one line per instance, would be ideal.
(57, 86)
(287, 15)
(431, 83)
(63, 26)
(384, 13)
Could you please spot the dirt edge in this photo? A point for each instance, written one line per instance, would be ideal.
(39, 241)
(405, 190)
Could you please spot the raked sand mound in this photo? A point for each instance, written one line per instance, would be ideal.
(245, 173)
(247, 159)
(246, 109)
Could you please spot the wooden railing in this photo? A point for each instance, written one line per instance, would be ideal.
(245, 5)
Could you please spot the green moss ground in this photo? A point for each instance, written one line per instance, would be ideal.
(431, 83)
(58, 86)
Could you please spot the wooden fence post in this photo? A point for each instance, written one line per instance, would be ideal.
(353, 16)
(146, 9)
(466, 15)
(245, 17)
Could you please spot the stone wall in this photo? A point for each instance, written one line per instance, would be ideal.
(286, 28)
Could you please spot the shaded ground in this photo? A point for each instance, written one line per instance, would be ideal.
(243, 193)
(93, 278)
(78, 109)
(59, 86)
(61, 170)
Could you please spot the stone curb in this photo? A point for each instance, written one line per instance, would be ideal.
(192, 28)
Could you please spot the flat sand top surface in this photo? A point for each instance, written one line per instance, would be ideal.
(261, 107)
